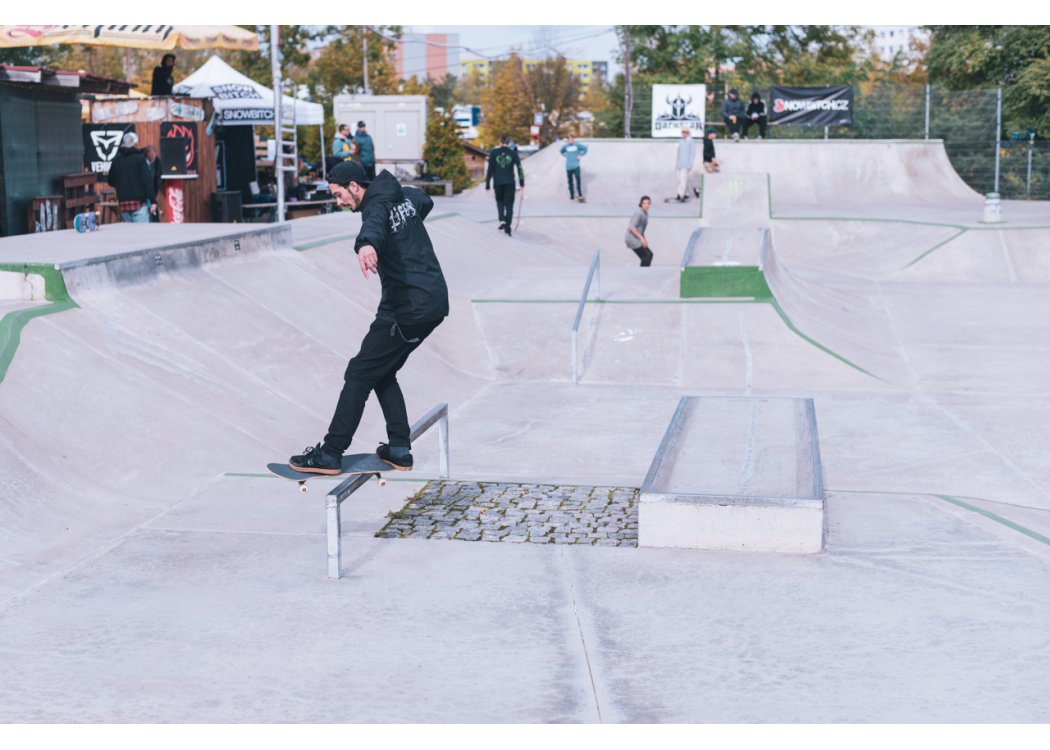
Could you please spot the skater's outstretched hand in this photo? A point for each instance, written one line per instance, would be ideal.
(368, 259)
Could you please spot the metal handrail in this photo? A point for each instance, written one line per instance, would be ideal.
(438, 415)
(595, 271)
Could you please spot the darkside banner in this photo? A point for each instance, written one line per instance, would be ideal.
(831, 105)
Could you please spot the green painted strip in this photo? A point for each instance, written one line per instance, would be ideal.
(619, 301)
(724, 281)
(997, 518)
(54, 285)
(325, 241)
(814, 342)
(924, 493)
(936, 247)
(11, 326)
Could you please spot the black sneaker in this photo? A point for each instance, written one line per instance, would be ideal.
(502, 226)
(506, 228)
(315, 460)
(399, 458)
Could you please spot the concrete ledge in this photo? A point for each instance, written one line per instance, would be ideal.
(736, 474)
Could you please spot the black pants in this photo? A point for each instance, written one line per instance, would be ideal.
(384, 351)
(570, 174)
(370, 170)
(734, 127)
(761, 122)
(645, 254)
(505, 202)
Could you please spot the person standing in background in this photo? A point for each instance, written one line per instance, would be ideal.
(684, 161)
(573, 152)
(163, 77)
(366, 152)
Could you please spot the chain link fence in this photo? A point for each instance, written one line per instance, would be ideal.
(964, 120)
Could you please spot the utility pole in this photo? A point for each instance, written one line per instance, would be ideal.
(278, 97)
(367, 89)
(628, 95)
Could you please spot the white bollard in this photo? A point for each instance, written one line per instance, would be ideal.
(992, 209)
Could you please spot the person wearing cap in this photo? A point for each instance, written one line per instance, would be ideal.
(394, 244)
(684, 160)
(756, 115)
(366, 152)
(129, 174)
(502, 162)
(733, 113)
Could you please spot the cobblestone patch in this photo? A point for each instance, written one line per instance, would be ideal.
(519, 513)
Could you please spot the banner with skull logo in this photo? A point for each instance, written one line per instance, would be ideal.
(677, 106)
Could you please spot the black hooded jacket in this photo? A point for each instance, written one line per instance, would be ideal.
(414, 289)
(130, 175)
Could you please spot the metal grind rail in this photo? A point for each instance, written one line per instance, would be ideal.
(438, 415)
(593, 274)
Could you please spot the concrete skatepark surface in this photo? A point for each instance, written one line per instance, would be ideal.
(151, 572)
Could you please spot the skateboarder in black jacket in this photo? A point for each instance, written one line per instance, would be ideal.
(502, 161)
(393, 243)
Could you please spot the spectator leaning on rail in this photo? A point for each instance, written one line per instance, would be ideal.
(733, 113)
(756, 115)
(130, 176)
(393, 243)
(502, 162)
(573, 151)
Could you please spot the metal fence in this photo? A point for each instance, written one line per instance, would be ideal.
(965, 120)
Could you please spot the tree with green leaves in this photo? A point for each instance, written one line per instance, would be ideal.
(555, 91)
(443, 151)
(1014, 57)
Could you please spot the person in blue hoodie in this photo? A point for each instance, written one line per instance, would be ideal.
(573, 151)
(366, 152)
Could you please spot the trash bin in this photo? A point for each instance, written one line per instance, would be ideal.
(226, 206)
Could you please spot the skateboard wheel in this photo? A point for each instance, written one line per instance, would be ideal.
(303, 488)
(382, 482)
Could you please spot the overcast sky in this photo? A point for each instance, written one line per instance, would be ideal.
(575, 42)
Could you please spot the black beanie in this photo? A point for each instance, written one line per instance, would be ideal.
(346, 172)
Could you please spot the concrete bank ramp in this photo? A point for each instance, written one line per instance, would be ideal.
(814, 173)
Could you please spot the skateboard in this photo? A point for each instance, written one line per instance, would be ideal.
(85, 222)
(581, 199)
(353, 463)
(675, 200)
(521, 202)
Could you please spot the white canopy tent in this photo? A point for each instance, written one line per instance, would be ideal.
(238, 100)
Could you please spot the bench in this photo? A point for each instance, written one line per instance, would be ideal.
(736, 473)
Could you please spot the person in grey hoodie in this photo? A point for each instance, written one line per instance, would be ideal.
(366, 151)
(733, 113)
(684, 161)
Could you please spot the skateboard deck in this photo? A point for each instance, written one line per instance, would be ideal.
(675, 200)
(353, 463)
(581, 199)
(517, 215)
